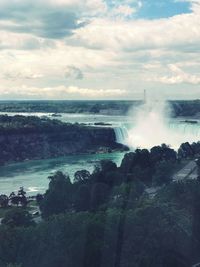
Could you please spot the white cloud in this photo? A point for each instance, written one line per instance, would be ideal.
(124, 10)
(172, 33)
(59, 92)
(112, 50)
(178, 76)
(20, 74)
(95, 93)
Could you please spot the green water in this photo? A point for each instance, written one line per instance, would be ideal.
(33, 174)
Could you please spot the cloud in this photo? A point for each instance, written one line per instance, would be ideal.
(47, 19)
(73, 73)
(177, 32)
(95, 93)
(23, 41)
(104, 44)
(178, 77)
(58, 92)
(26, 74)
(52, 25)
(124, 10)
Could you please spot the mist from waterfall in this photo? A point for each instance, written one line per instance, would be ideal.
(152, 125)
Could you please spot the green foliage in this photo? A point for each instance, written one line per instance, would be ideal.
(81, 176)
(107, 219)
(58, 198)
(83, 198)
(163, 173)
(147, 166)
(182, 194)
(32, 137)
(185, 107)
(67, 106)
(163, 153)
(188, 150)
(92, 239)
(32, 124)
(99, 195)
(4, 201)
(127, 194)
(179, 108)
(17, 217)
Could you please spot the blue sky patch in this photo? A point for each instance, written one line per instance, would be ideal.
(155, 9)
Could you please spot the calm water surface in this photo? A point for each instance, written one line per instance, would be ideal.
(33, 174)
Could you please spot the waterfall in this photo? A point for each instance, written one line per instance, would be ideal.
(175, 133)
(190, 130)
(152, 125)
(121, 134)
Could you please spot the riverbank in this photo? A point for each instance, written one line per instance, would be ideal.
(30, 138)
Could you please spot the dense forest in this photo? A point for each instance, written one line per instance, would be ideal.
(108, 219)
(179, 107)
(112, 107)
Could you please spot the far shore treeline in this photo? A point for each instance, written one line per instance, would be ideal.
(178, 107)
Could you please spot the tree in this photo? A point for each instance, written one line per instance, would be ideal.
(160, 153)
(58, 198)
(139, 158)
(4, 201)
(101, 171)
(11, 195)
(81, 176)
(127, 194)
(22, 195)
(18, 217)
(21, 192)
(163, 173)
(113, 178)
(99, 195)
(39, 198)
(185, 150)
(107, 166)
(15, 200)
(83, 198)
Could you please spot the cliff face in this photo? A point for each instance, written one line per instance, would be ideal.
(19, 146)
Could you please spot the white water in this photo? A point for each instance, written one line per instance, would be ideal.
(121, 134)
(152, 125)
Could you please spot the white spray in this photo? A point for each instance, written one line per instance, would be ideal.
(153, 125)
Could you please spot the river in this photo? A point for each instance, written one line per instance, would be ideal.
(33, 174)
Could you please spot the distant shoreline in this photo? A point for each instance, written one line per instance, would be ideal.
(179, 108)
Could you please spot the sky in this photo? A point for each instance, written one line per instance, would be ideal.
(99, 49)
